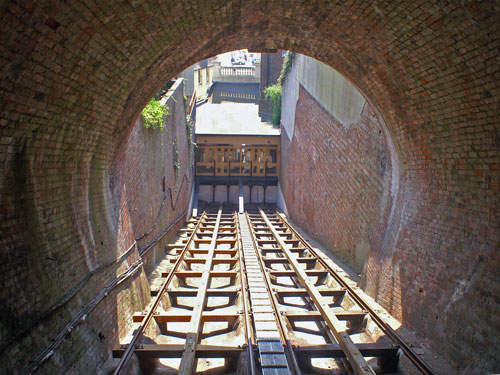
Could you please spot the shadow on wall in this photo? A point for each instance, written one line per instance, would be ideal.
(340, 170)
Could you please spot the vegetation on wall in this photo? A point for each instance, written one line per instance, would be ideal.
(153, 115)
(285, 68)
(176, 158)
(189, 129)
(273, 92)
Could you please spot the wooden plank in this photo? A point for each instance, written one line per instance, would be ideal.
(319, 273)
(184, 274)
(205, 317)
(353, 354)
(215, 260)
(176, 351)
(285, 260)
(209, 292)
(300, 292)
(336, 351)
(304, 316)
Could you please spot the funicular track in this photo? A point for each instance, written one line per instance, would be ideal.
(249, 286)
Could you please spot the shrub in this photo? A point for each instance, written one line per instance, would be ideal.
(153, 115)
(273, 93)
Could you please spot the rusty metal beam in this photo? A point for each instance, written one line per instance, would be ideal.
(386, 328)
(127, 355)
(187, 365)
(355, 358)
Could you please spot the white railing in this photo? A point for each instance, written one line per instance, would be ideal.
(237, 71)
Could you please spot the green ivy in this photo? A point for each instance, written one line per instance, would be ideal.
(153, 115)
(273, 93)
(285, 68)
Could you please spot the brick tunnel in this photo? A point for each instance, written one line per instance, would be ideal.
(75, 77)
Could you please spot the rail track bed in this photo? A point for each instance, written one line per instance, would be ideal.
(246, 294)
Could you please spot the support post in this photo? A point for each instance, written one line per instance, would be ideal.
(241, 198)
(195, 197)
(355, 358)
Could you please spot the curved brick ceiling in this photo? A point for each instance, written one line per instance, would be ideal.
(74, 77)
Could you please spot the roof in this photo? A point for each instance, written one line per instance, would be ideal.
(232, 118)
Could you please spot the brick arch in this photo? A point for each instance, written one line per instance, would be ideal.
(74, 78)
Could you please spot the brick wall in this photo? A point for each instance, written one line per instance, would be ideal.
(145, 194)
(75, 75)
(154, 192)
(270, 68)
(335, 179)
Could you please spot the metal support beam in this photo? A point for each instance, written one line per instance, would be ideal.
(355, 358)
(187, 365)
(129, 351)
(241, 198)
(195, 197)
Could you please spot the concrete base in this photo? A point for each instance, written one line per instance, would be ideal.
(248, 195)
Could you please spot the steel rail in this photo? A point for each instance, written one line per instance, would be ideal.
(244, 291)
(412, 356)
(125, 359)
(279, 319)
(188, 356)
(354, 356)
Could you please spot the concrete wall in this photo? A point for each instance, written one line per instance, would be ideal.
(189, 80)
(203, 78)
(329, 88)
(221, 194)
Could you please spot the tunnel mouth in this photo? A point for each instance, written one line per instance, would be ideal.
(228, 161)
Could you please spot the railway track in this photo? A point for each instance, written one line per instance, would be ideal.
(246, 291)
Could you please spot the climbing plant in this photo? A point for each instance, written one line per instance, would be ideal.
(176, 158)
(273, 92)
(189, 128)
(153, 115)
(285, 68)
